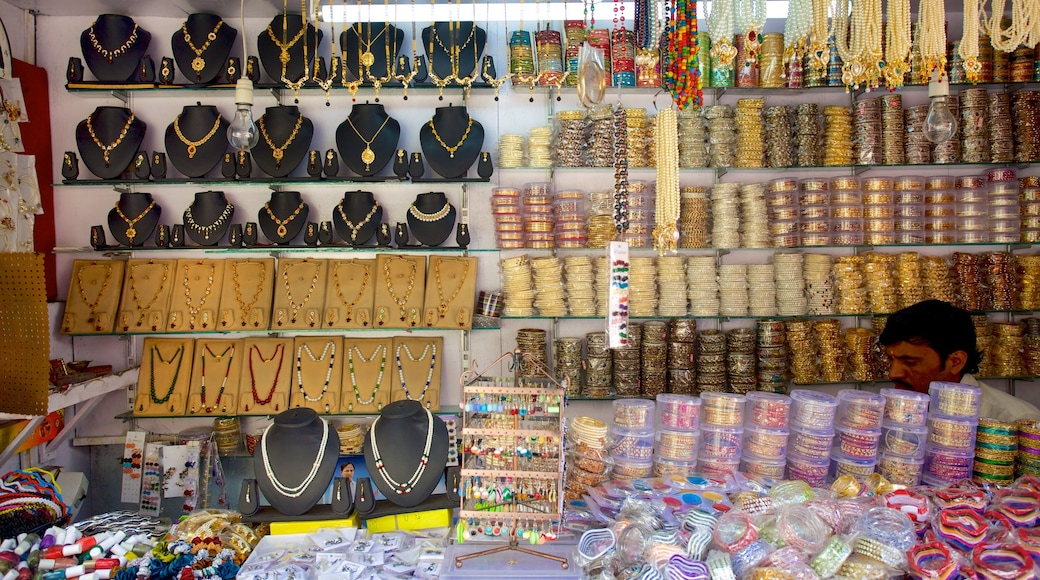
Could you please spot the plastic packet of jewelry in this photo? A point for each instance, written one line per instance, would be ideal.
(290, 571)
(398, 567)
(328, 540)
(641, 511)
(592, 76)
(254, 570)
(428, 569)
(331, 565)
(389, 541)
(368, 559)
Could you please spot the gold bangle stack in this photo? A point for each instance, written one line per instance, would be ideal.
(996, 444)
(693, 150)
(1031, 346)
(831, 349)
(1007, 348)
(849, 279)
(909, 283)
(881, 283)
(859, 342)
(838, 136)
(936, 278)
(693, 217)
(750, 133)
(637, 124)
(1028, 459)
(1029, 266)
(802, 351)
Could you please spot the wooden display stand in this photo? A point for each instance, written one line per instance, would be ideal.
(218, 364)
(146, 297)
(367, 374)
(401, 281)
(323, 363)
(93, 297)
(245, 299)
(350, 293)
(195, 298)
(417, 370)
(450, 293)
(268, 366)
(165, 377)
(299, 294)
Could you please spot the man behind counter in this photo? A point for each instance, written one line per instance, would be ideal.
(935, 341)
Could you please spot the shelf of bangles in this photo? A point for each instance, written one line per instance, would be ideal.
(30, 501)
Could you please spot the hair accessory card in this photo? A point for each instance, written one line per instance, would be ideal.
(400, 281)
(147, 287)
(450, 291)
(93, 296)
(317, 373)
(194, 303)
(367, 373)
(617, 295)
(246, 295)
(218, 364)
(133, 462)
(165, 377)
(299, 294)
(350, 294)
(417, 370)
(268, 365)
(151, 481)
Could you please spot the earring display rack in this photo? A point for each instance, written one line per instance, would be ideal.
(512, 461)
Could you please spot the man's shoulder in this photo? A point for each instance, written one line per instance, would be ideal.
(1001, 405)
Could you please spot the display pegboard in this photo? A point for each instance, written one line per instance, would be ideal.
(23, 332)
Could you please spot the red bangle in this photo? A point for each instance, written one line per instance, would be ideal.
(933, 561)
(738, 521)
(915, 506)
(1003, 561)
(1021, 507)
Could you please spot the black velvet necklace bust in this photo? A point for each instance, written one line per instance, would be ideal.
(400, 434)
(208, 218)
(280, 152)
(108, 124)
(141, 216)
(208, 66)
(116, 48)
(371, 47)
(465, 37)
(270, 52)
(363, 212)
(199, 154)
(288, 208)
(291, 450)
(431, 218)
(451, 141)
(367, 139)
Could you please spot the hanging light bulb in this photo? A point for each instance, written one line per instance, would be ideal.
(242, 133)
(940, 125)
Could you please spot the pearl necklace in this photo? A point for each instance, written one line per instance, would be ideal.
(898, 42)
(864, 65)
(351, 304)
(931, 29)
(403, 488)
(379, 351)
(293, 306)
(819, 34)
(666, 216)
(797, 27)
(969, 47)
(1024, 29)
(328, 373)
(750, 17)
(411, 357)
(721, 23)
(430, 217)
(295, 491)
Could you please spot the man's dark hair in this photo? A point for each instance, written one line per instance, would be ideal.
(937, 324)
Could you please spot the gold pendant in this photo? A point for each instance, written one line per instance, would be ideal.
(442, 309)
(367, 58)
(368, 156)
(198, 64)
(281, 230)
(191, 151)
(131, 233)
(278, 154)
(284, 57)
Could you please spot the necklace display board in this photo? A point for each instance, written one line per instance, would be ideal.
(165, 377)
(401, 282)
(245, 297)
(285, 138)
(283, 216)
(196, 140)
(357, 217)
(367, 139)
(451, 141)
(417, 370)
(431, 218)
(218, 363)
(147, 289)
(317, 373)
(108, 140)
(454, 49)
(195, 298)
(350, 293)
(450, 292)
(299, 293)
(113, 47)
(366, 380)
(134, 218)
(202, 47)
(267, 376)
(405, 452)
(372, 49)
(93, 297)
(281, 47)
(208, 218)
(296, 460)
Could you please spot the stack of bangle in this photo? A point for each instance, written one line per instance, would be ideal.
(749, 557)
(831, 557)
(1022, 508)
(812, 409)
(915, 506)
(905, 407)
(932, 561)
(1003, 561)
(954, 399)
(801, 528)
(1028, 447)
(876, 550)
(996, 444)
(960, 497)
(734, 532)
(962, 528)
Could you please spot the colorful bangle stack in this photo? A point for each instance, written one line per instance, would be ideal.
(678, 412)
(734, 532)
(861, 409)
(952, 432)
(962, 528)
(768, 410)
(900, 470)
(810, 443)
(812, 471)
(903, 440)
(932, 561)
(996, 444)
(633, 413)
(857, 443)
(1021, 508)
(812, 409)
(887, 555)
(1028, 459)
(954, 399)
(722, 409)
(905, 407)
(1002, 561)
(943, 466)
(800, 527)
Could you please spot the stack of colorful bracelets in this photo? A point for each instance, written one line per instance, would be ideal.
(701, 527)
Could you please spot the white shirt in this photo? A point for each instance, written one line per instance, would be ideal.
(1000, 405)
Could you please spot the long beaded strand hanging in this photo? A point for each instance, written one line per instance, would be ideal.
(620, 169)
(666, 216)
(819, 35)
(1024, 27)
(863, 68)
(931, 28)
(969, 47)
(326, 84)
(682, 78)
(797, 28)
(898, 43)
(750, 18)
(720, 31)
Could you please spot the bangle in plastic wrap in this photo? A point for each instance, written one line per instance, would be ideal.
(1029, 539)
(719, 566)
(1003, 561)
(953, 497)
(700, 537)
(831, 557)
(888, 526)
(794, 491)
(962, 528)
(749, 557)
(932, 561)
(877, 550)
(734, 532)
(800, 527)
(915, 506)
(1021, 507)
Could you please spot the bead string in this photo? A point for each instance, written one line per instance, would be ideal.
(142, 308)
(666, 214)
(230, 353)
(330, 345)
(237, 288)
(898, 42)
(295, 491)
(293, 306)
(721, 24)
(93, 306)
(177, 356)
(682, 76)
(194, 311)
(408, 486)
(931, 30)
(797, 28)
(278, 371)
(431, 349)
(380, 351)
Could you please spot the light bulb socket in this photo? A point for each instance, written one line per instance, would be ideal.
(938, 89)
(244, 92)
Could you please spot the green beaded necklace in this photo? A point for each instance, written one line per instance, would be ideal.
(179, 355)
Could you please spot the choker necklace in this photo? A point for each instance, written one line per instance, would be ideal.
(193, 311)
(237, 287)
(408, 486)
(93, 306)
(430, 217)
(339, 290)
(354, 229)
(216, 225)
(107, 149)
(401, 302)
(194, 145)
(131, 232)
(282, 230)
(411, 357)
(280, 347)
(177, 356)
(230, 353)
(367, 155)
(293, 306)
(328, 373)
(451, 150)
(295, 491)
(380, 351)
(279, 152)
(142, 309)
(111, 54)
(199, 63)
(442, 304)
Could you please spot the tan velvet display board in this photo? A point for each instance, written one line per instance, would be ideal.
(400, 285)
(215, 376)
(451, 286)
(147, 288)
(366, 374)
(25, 334)
(195, 297)
(268, 365)
(299, 294)
(350, 293)
(245, 298)
(417, 370)
(165, 377)
(318, 363)
(93, 299)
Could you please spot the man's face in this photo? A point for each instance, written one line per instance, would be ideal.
(913, 366)
(348, 470)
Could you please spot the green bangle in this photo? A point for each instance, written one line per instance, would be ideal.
(998, 431)
(833, 555)
(996, 446)
(993, 462)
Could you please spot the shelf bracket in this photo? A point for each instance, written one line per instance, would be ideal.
(122, 95)
(82, 412)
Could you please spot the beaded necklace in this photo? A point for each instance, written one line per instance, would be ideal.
(293, 306)
(379, 351)
(355, 228)
(685, 85)
(430, 217)
(350, 305)
(193, 311)
(328, 373)
(230, 353)
(295, 491)
(721, 24)
(666, 232)
(80, 285)
(898, 42)
(245, 307)
(111, 54)
(408, 486)
(797, 27)
(206, 230)
(279, 351)
(430, 349)
(442, 303)
(931, 29)
(403, 301)
(177, 356)
(142, 309)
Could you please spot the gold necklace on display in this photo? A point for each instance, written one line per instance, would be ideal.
(283, 45)
(355, 84)
(199, 63)
(451, 150)
(298, 84)
(189, 220)
(440, 83)
(442, 303)
(107, 149)
(279, 152)
(430, 217)
(81, 286)
(142, 309)
(403, 301)
(326, 85)
(281, 223)
(194, 311)
(354, 229)
(247, 308)
(405, 80)
(367, 155)
(352, 304)
(131, 231)
(193, 146)
(295, 307)
(111, 54)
